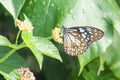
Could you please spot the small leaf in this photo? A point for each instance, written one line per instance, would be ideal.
(40, 46)
(37, 54)
(13, 75)
(6, 76)
(27, 37)
(46, 47)
(3, 40)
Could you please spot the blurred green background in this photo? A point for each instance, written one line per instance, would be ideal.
(100, 62)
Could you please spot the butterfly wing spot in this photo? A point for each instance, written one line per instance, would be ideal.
(89, 29)
(83, 35)
(96, 34)
(81, 30)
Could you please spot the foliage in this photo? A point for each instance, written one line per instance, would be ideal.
(100, 62)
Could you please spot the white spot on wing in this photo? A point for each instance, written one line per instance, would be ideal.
(81, 29)
(83, 35)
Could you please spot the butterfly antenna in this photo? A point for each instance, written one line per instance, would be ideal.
(62, 29)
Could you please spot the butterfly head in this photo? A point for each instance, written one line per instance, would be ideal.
(64, 30)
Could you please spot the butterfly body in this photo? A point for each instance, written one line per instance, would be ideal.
(77, 39)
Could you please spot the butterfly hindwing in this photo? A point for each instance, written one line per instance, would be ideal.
(77, 39)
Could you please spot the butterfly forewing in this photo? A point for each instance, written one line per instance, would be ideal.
(90, 34)
(77, 39)
(74, 44)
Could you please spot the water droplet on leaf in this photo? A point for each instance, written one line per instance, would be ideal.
(43, 2)
(73, 16)
(52, 5)
(70, 11)
(58, 9)
(83, 10)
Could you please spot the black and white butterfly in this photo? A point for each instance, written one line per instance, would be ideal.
(77, 39)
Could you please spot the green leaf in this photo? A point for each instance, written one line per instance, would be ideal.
(110, 9)
(3, 40)
(13, 62)
(112, 55)
(13, 75)
(47, 14)
(113, 60)
(13, 6)
(46, 47)
(27, 37)
(95, 13)
(90, 72)
(40, 46)
(37, 54)
(87, 13)
(93, 52)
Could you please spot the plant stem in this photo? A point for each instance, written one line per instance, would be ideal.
(15, 48)
(11, 46)
(7, 55)
(17, 37)
(48, 38)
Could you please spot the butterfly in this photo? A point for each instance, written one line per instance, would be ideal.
(77, 39)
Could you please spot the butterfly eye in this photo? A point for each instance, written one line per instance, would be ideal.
(77, 39)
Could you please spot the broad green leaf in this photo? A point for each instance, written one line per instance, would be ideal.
(110, 9)
(112, 55)
(47, 14)
(3, 40)
(87, 13)
(90, 13)
(13, 62)
(13, 6)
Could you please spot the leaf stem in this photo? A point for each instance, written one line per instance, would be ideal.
(15, 48)
(7, 55)
(17, 37)
(49, 38)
